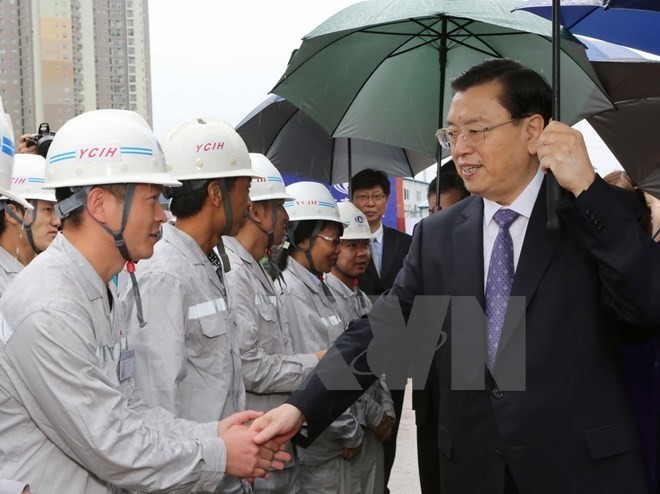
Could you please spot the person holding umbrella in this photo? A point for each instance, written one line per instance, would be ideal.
(542, 405)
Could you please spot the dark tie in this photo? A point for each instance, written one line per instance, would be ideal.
(499, 281)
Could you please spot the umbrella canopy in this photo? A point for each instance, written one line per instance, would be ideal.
(630, 130)
(631, 23)
(377, 70)
(297, 145)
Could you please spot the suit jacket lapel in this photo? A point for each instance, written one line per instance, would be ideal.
(468, 251)
(538, 247)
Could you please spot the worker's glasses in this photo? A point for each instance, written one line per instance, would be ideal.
(472, 135)
(334, 241)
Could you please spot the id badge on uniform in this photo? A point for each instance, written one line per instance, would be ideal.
(126, 364)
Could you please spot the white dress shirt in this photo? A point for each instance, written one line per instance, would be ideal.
(522, 205)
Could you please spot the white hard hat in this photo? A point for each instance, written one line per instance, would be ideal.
(7, 159)
(205, 148)
(106, 147)
(313, 201)
(28, 178)
(270, 184)
(357, 225)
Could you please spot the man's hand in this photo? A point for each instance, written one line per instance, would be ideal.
(350, 453)
(384, 430)
(239, 418)
(246, 458)
(279, 424)
(319, 355)
(26, 145)
(563, 151)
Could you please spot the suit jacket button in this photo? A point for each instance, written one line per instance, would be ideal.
(499, 454)
(497, 393)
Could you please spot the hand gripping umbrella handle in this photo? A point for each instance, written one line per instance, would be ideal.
(553, 191)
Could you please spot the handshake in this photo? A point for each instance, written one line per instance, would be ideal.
(255, 442)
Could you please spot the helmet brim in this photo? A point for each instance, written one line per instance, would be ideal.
(16, 198)
(164, 179)
(270, 197)
(241, 172)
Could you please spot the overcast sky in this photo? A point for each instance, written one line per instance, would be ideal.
(220, 58)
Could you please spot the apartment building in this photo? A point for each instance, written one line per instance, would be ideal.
(60, 58)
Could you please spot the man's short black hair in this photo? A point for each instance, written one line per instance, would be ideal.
(370, 178)
(524, 91)
(448, 181)
(187, 205)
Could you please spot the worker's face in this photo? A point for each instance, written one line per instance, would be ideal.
(372, 202)
(501, 166)
(278, 227)
(46, 223)
(325, 252)
(449, 197)
(239, 197)
(144, 219)
(353, 257)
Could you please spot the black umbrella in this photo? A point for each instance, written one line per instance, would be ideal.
(630, 130)
(297, 145)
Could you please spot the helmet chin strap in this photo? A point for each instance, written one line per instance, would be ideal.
(270, 242)
(229, 224)
(79, 199)
(120, 243)
(270, 234)
(27, 227)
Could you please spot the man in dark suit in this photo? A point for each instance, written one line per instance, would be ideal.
(424, 401)
(568, 427)
(371, 191)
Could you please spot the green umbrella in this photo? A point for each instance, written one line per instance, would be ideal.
(377, 70)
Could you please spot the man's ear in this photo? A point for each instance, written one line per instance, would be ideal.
(257, 210)
(9, 218)
(534, 128)
(214, 193)
(98, 206)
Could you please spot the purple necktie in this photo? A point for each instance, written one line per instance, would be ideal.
(499, 281)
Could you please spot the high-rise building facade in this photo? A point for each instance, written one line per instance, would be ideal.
(59, 58)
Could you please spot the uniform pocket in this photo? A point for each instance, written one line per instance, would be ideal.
(267, 312)
(213, 326)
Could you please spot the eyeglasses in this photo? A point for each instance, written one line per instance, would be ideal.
(472, 135)
(377, 197)
(334, 241)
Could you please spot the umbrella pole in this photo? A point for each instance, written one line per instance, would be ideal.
(441, 105)
(350, 169)
(553, 190)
